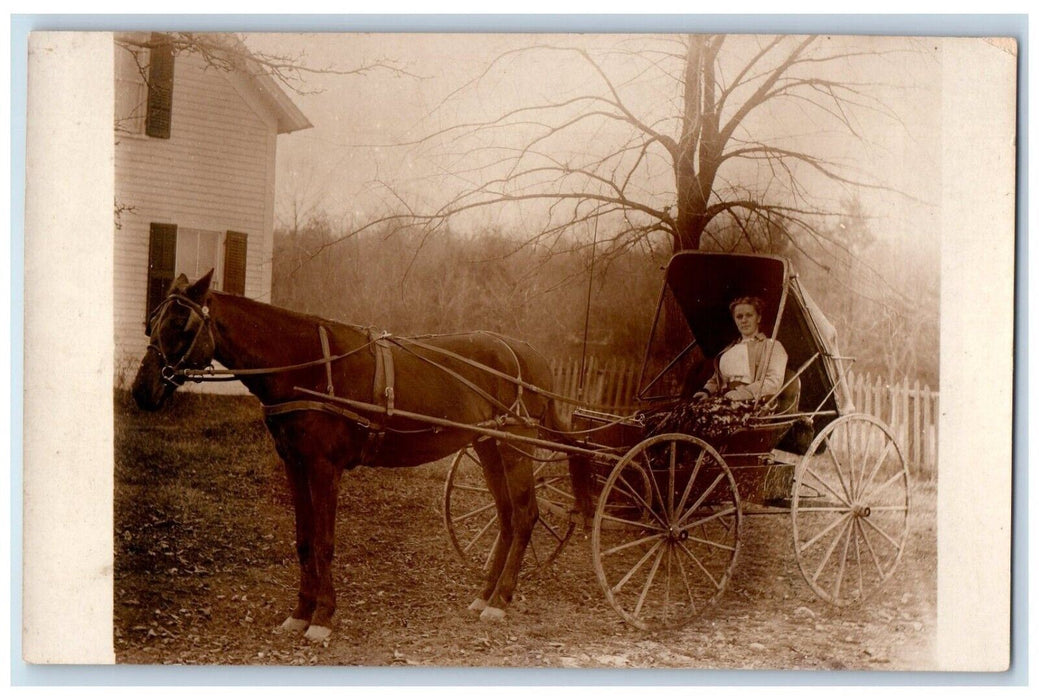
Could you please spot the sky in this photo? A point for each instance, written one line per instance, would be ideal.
(361, 156)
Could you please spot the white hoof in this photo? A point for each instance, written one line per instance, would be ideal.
(478, 604)
(490, 614)
(317, 633)
(294, 624)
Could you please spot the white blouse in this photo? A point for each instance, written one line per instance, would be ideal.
(749, 369)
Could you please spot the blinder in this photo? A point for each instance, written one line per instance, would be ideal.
(174, 373)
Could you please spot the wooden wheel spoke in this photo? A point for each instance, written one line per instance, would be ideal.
(630, 491)
(479, 534)
(549, 486)
(671, 467)
(883, 534)
(864, 452)
(889, 509)
(633, 543)
(490, 552)
(551, 530)
(696, 560)
(638, 565)
(692, 480)
(649, 581)
(810, 543)
(472, 489)
(858, 556)
(667, 580)
(831, 454)
(826, 486)
(830, 550)
(685, 581)
(869, 547)
(876, 466)
(634, 523)
(701, 499)
(653, 484)
(894, 478)
(473, 513)
(709, 518)
(844, 560)
(712, 543)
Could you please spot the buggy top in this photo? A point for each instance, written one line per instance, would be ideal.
(703, 284)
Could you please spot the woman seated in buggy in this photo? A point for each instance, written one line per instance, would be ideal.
(748, 374)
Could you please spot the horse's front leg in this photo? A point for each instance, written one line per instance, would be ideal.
(307, 597)
(324, 491)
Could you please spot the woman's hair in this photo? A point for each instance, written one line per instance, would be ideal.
(756, 302)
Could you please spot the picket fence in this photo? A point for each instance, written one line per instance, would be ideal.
(910, 410)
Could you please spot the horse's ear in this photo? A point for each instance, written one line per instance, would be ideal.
(179, 285)
(197, 291)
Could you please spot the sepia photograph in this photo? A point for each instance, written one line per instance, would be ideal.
(572, 351)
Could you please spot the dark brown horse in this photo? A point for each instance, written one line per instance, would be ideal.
(439, 376)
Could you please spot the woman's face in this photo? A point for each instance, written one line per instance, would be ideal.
(747, 319)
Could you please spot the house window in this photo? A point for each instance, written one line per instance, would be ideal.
(131, 88)
(160, 87)
(194, 252)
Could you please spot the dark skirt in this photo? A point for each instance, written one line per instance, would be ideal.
(710, 419)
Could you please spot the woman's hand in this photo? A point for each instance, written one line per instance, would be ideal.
(700, 396)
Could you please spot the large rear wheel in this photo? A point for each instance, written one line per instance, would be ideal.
(471, 519)
(666, 531)
(850, 509)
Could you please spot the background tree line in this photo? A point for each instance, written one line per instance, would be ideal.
(404, 280)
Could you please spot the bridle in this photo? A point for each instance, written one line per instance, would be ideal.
(171, 372)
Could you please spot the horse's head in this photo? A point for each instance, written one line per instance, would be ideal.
(180, 337)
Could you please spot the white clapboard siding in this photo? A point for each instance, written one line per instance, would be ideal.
(215, 173)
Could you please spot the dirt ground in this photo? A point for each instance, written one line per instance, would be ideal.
(206, 571)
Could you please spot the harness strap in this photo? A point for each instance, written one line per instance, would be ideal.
(303, 405)
(383, 377)
(385, 353)
(326, 353)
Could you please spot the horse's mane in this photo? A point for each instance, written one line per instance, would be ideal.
(302, 319)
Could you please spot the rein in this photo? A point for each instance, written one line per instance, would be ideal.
(171, 372)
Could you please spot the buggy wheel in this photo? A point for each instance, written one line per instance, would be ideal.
(664, 555)
(850, 509)
(471, 519)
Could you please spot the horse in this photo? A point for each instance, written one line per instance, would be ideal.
(292, 361)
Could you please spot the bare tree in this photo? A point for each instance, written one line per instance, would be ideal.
(672, 137)
(228, 52)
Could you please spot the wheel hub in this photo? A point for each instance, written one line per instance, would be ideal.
(860, 510)
(677, 535)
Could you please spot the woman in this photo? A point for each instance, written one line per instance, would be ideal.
(746, 373)
(753, 366)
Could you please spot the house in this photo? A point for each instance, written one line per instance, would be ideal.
(196, 134)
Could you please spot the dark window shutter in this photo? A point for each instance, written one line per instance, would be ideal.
(160, 87)
(234, 262)
(162, 263)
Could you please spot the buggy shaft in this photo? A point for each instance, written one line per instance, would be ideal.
(444, 423)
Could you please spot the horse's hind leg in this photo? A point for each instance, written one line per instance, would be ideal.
(494, 475)
(519, 485)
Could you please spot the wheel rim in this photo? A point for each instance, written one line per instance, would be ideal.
(850, 509)
(671, 556)
(471, 519)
